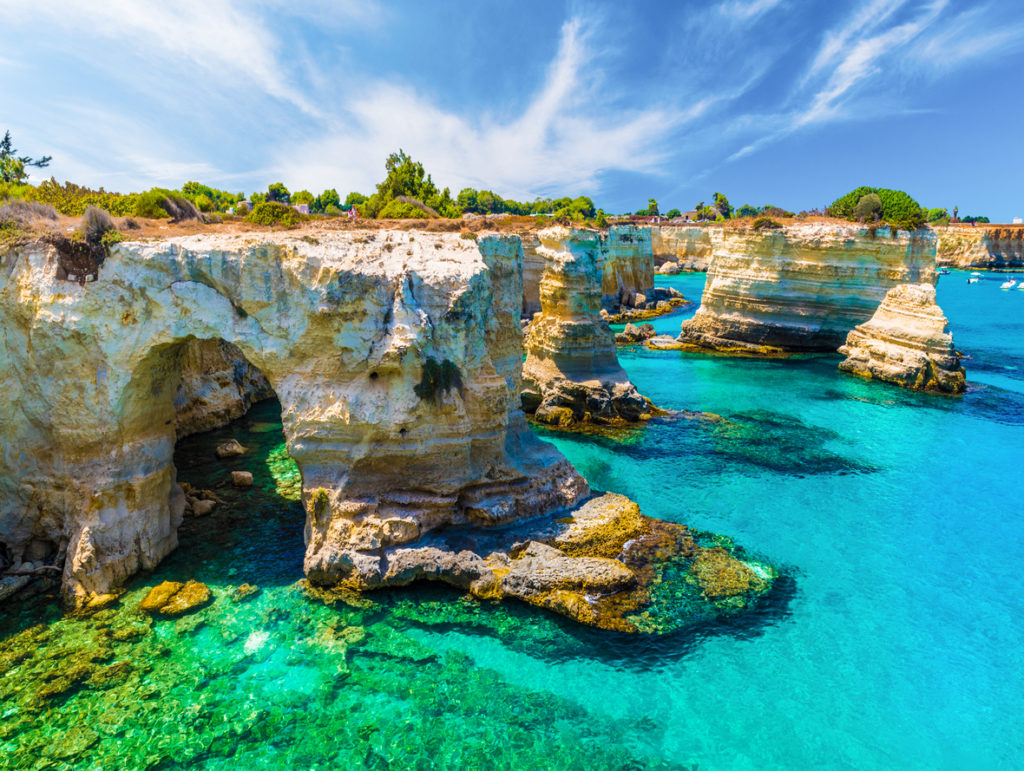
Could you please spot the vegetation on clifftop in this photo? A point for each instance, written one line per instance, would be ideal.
(879, 204)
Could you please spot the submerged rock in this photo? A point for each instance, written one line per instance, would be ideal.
(230, 449)
(172, 598)
(241, 478)
(906, 343)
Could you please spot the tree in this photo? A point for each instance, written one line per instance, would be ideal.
(353, 199)
(326, 198)
(705, 212)
(12, 166)
(868, 208)
(652, 207)
(934, 215)
(600, 221)
(279, 193)
(746, 210)
(673, 213)
(721, 206)
(303, 196)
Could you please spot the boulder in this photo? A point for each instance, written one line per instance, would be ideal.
(241, 478)
(172, 598)
(230, 449)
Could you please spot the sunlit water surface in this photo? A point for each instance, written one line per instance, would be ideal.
(894, 639)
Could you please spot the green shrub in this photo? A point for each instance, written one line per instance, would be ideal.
(766, 223)
(868, 208)
(333, 211)
(273, 213)
(469, 235)
(400, 210)
(96, 223)
(204, 203)
(600, 221)
(898, 208)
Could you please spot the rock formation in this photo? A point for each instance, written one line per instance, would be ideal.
(397, 360)
(533, 269)
(803, 287)
(572, 372)
(218, 385)
(906, 342)
(971, 248)
(689, 248)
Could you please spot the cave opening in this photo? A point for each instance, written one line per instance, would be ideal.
(243, 521)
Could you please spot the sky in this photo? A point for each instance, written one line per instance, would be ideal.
(783, 102)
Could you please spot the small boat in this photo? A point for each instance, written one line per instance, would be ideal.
(975, 273)
(1008, 284)
(944, 272)
(973, 280)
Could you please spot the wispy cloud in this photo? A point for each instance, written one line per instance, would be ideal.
(563, 138)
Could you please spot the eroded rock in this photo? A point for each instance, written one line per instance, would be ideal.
(907, 343)
(172, 598)
(803, 287)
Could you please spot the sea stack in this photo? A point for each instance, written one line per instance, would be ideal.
(572, 373)
(907, 343)
(802, 288)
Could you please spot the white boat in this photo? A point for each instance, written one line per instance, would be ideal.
(975, 273)
(1008, 284)
(973, 280)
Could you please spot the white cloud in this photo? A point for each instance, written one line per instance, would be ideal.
(563, 140)
(744, 10)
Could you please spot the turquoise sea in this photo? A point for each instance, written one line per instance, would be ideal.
(893, 640)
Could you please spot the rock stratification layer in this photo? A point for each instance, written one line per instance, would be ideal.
(572, 372)
(993, 248)
(396, 358)
(218, 385)
(688, 248)
(802, 287)
(906, 342)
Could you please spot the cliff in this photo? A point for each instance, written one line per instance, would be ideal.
(688, 248)
(572, 372)
(395, 356)
(802, 287)
(218, 385)
(906, 342)
(623, 253)
(990, 248)
(397, 359)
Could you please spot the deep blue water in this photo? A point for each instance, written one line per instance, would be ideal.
(895, 640)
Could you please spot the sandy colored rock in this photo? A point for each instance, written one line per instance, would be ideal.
(172, 598)
(906, 342)
(803, 287)
(230, 449)
(160, 595)
(396, 357)
(218, 385)
(241, 478)
(687, 247)
(984, 247)
(571, 362)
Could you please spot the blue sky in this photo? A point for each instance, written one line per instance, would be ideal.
(789, 102)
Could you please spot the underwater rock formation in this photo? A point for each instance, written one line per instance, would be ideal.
(802, 288)
(688, 248)
(396, 357)
(605, 565)
(970, 248)
(218, 385)
(572, 372)
(907, 343)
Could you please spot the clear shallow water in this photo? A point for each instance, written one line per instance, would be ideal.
(896, 641)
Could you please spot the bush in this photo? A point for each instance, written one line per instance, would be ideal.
(673, 213)
(160, 203)
(898, 208)
(400, 210)
(766, 223)
(96, 223)
(868, 208)
(600, 221)
(273, 213)
(70, 199)
(333, 211)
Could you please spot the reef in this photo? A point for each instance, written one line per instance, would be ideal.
(906, 342)
(572, 373)
(683, 248)
(987, 248)
(802, 288)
